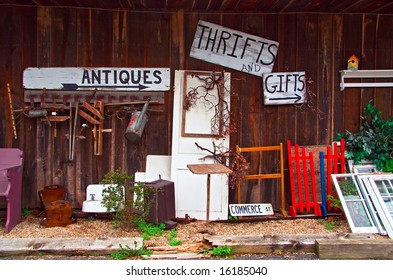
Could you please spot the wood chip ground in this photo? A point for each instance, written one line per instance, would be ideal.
(188, 233)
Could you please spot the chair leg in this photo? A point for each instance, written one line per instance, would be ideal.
(14, 213)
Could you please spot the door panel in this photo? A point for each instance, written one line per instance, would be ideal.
(190, 127)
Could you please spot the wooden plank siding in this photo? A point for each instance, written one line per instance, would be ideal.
(316, 43)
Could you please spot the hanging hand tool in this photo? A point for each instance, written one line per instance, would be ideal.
(69, 136)
(11, 111)
(74, 131)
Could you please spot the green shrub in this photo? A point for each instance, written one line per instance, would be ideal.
(131, 202)
(374, 141)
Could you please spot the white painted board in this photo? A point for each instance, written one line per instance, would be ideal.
(259, 209)
(234, 49)
(284, 88)
(89, 78)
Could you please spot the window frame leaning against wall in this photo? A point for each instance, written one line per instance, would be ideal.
(374, 192)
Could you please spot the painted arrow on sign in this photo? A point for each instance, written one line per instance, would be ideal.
(296, 98)
(73, 86)
(284, 88)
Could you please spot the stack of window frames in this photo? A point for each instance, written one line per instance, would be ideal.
(367, 201)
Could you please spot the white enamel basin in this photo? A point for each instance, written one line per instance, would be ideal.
(93, 202)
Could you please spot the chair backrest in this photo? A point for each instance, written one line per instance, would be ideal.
(52, 193)
(278, 175)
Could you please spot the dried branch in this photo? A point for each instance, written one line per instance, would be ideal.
(231, 159)
(221, 120)
(308, 102)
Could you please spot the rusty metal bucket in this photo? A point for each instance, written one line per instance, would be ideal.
(137, 124)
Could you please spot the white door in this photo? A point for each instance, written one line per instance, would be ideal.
(195, 126)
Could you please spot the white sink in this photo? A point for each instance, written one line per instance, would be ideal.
(94, 206)
(93, 202)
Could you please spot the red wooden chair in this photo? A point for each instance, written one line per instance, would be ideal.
(302, 181)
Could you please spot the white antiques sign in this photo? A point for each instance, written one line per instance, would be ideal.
(262, 209)
(234, 49)
(284, 88)
(113, 79)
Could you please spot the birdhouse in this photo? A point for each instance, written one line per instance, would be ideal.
(352, 63)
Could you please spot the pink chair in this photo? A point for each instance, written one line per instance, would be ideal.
(11, 170)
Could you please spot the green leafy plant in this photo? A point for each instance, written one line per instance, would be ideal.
(126, 252)
(374, 141)
(150, 230)
(130, 202)
(334, 201)
(26, 212)
(172, 238)
(222, 251)
(330, 224)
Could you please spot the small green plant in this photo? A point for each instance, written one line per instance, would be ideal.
(149, 230)
(232, 217)
(171, 238)
(127, 252)
(374, 141)
(172, 234)
(222, 251)
(175, 242)
(26, 212)
(334, 201)
(329, 225)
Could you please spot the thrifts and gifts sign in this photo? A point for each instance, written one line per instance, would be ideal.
(234, 49)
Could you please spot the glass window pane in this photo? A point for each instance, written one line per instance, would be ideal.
(354, 199)
(358, 214)
(381, 187)
(390, 187)
(389, 204)
(348, 188)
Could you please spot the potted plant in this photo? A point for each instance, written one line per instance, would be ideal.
(373, 142)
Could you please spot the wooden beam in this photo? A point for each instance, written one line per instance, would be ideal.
(381, 249)
(88, 117)
(93, 110)
(55, 118)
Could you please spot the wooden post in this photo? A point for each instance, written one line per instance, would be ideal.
(208, 199)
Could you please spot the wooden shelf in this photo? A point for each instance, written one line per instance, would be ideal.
(366, 74)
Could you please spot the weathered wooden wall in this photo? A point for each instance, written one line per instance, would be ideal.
(318, 44)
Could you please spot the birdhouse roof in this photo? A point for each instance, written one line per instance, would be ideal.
(354, 58)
